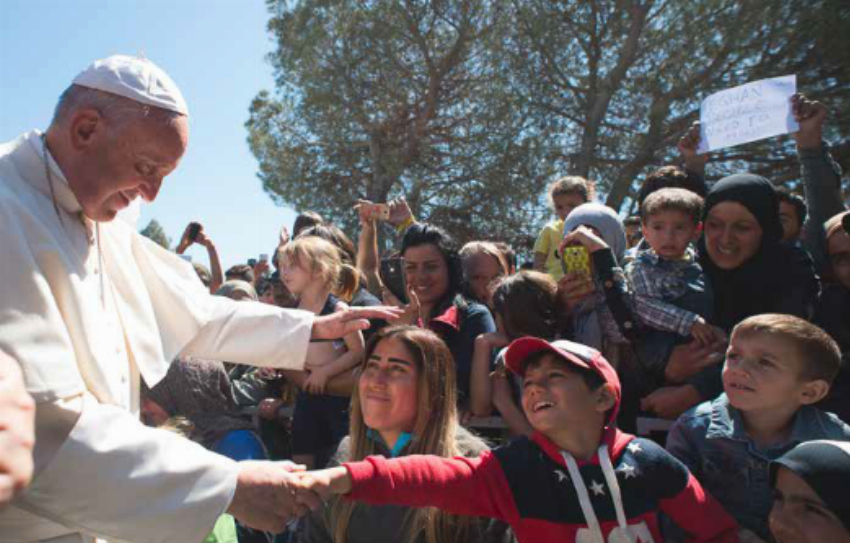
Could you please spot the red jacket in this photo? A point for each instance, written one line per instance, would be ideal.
(528, 485)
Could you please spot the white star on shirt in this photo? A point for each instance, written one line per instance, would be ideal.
(561, 475)
(634, 447)
(598, 489)
(627, 471)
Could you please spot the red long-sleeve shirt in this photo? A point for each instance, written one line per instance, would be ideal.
(527, 485)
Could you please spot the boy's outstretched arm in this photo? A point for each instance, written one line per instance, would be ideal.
(461, 486)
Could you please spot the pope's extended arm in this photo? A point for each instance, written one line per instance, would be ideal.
(100, 471)
(253, 333)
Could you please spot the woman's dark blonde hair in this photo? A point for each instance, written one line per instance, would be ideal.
(434, 431)
(323, 258)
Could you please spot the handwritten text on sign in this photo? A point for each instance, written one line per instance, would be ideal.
(757, 110)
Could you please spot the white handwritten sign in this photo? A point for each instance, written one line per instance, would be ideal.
(757, 110)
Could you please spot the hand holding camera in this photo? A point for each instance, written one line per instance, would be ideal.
(371, 212)
(194, 233)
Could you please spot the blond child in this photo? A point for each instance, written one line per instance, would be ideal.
(312, 269)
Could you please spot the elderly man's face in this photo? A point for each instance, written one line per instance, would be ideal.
(121, 163)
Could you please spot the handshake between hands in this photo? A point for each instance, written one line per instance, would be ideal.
(269, 495)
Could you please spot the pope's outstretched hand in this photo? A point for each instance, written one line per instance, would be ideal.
(351, 319)
(265, 496)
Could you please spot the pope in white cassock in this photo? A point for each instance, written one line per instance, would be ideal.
(88, 307)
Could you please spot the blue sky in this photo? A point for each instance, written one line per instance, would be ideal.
(214, 49)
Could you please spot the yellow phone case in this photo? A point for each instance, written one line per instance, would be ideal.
(576, 260)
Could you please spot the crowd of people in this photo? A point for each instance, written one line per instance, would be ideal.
(679, 375)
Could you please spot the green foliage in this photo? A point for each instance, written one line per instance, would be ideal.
(383, 99)
(617, 83)
(467, 108)
(154, 232)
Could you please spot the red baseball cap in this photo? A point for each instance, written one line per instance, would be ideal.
(576, 353)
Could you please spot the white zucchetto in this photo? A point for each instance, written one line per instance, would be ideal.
(135, 78)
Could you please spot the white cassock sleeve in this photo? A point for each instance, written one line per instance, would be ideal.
(155, 487)
(185, 319)
(253, 333)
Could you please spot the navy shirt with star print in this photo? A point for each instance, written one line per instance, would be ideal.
(528, 485)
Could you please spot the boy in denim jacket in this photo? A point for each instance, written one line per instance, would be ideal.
(777, 367)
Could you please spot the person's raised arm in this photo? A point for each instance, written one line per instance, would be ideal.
(821, 175)
(216, 273)
(401, 217)
(511, 413)
(480, 394)
(368, 261)
(688, 144)
(185, 240)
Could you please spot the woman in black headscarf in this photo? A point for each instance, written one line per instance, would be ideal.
(751, 271)
(810, 503)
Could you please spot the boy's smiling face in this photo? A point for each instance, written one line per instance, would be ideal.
(555, 397)
(763, 372)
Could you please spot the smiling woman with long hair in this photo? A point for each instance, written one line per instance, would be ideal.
(404, 403)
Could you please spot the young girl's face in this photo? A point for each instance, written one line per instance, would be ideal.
(483, 270)
(294, 276)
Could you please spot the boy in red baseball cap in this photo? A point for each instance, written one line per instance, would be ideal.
(578, 478)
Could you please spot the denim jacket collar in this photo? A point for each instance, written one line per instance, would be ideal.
(726, 423)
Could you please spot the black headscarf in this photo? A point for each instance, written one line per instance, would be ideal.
(777, 279)
(825, 467)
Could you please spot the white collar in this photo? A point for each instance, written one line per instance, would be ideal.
(65, 197)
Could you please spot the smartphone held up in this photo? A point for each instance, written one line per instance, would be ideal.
(575, 261)
(194, 230)
(392, 276)
(377, 212)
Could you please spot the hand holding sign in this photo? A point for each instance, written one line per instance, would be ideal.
(750, 112)
(811, 116)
